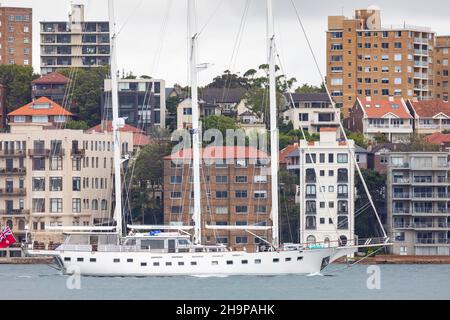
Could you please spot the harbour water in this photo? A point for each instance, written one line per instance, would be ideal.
(338, 282)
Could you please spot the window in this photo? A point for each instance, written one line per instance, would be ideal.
(241, 163)
(330, 158)
(176, 209)
(38, 206)
(221, 194)
(55, 184)
(241, 209)
(241, 194)
(221, 210)
(76, 184)
(260, 209)
(241, 240)
(176, 179)
(260, 194)
(56, 163)
(38, 164)
(342, 158)
(241, 179)
(38, 184)
(76, 205)
(221, 179)
(56, 205)
(175, 195)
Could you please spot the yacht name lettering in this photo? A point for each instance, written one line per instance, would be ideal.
(247, 309)
(186, 310)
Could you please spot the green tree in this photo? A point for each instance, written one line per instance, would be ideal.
(86, 92)
(145, 179)
(306, 88)
(229, 80)
(359, 138)
(366, 224)
(289, 211)
(17, 81)
(77, 125)
(222, 123)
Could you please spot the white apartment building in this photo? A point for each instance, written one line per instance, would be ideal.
(310, 111)
(55, 177)
(327, 190)
(74, 43)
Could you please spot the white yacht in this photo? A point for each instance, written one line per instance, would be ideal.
(172, 250)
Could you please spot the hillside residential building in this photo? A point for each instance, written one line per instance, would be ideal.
(235, 191)
(41, 111)
(389, 117)
(442, 57)
(327, 190)
(74, 43)
(418, 202)
(52, 86)
(16, 29)
(430, 116)
(379, 156)
(441, 139)
(310, 111)
(55, 177)
(142, 102)
(214, 101)
(366, 59)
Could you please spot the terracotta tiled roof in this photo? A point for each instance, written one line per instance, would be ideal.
(286, 151)
(380, 108)
(222, 153)
(431, 108)
(52, 78)
(438, 138)
(140, 139)
(31, 110)
(107, 126)
(328, 129)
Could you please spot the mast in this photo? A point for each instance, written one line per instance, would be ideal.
(117, 122)
(273, 123)
(195, 126)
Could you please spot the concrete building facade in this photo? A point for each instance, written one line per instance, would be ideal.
(418, 203)
(76, 43)
(327, 190)
(16, 29)
(442, 57)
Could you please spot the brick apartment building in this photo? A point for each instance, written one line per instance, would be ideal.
(366, 59)
(235, 191)
(16, 29)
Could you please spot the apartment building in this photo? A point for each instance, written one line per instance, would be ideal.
(430, 116)
(389, 117)
(54, 177)
(235, 191)
(418, 202)
(442, 57)
(16, 29)
(52, 85)
(142, 102)
(74, 43)
(327, 190)
(214, 101)
(310, 111)
(366, 59)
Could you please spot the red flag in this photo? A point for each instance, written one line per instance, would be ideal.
(6, 238)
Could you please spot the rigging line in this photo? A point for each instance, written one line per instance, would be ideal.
(340, 122)
(162, 33)
(210, 18)
(309, 151)
(129, 17)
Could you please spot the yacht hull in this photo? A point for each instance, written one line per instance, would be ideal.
(193, 264)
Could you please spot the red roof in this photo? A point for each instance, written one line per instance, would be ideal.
(286, 151)
(438, 138)
(431, 108)
(328, 129)
(52, 78)
(221, 153)
(31, 109)
(140, 139)
(107, 126)
(381, 108)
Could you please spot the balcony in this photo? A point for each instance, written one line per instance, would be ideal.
(342, 178)
(46, 153)
(432, 241)
(13, 172)
(13, 153)
(403, 165)
(402, 180)
(342, 195)
(424, 195)
(443, 195)
(15, 213)
(78, 152)
(311, 195)
(13, 192)
(401, 225)
(401, 211)
(401, 195)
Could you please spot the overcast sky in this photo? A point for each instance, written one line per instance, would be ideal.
(144, 49)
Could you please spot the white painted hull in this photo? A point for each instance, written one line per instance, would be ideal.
(193, 264)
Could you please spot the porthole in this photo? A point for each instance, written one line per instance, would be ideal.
(215, 263)
(288, 259)
(258, 261)
(80, 259)
(299, 258)
(67, 259)
(168, 263)
(156, 264)
(116, 260)
(143, 264)
(130, 260)
(229, 262)
(193, 263)
(244, 261)
(276, 260)
(180, 263)
(92, 260)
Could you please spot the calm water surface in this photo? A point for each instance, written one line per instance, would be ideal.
(338, 282)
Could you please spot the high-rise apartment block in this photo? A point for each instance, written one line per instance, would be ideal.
(16, 29)
(442, 57)
(327, 189)
(76, 43)
(418, 203)
(366, 59)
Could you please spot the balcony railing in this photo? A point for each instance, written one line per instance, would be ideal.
(78, 152)
(46, 152)
(423, 195)
(13, 171)
(342, 195)
(432, 241)
(14, 191)
(402, 180)
(401, 195)
(400, 165)
(13, 153)
(14, 212)
(401, 211)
